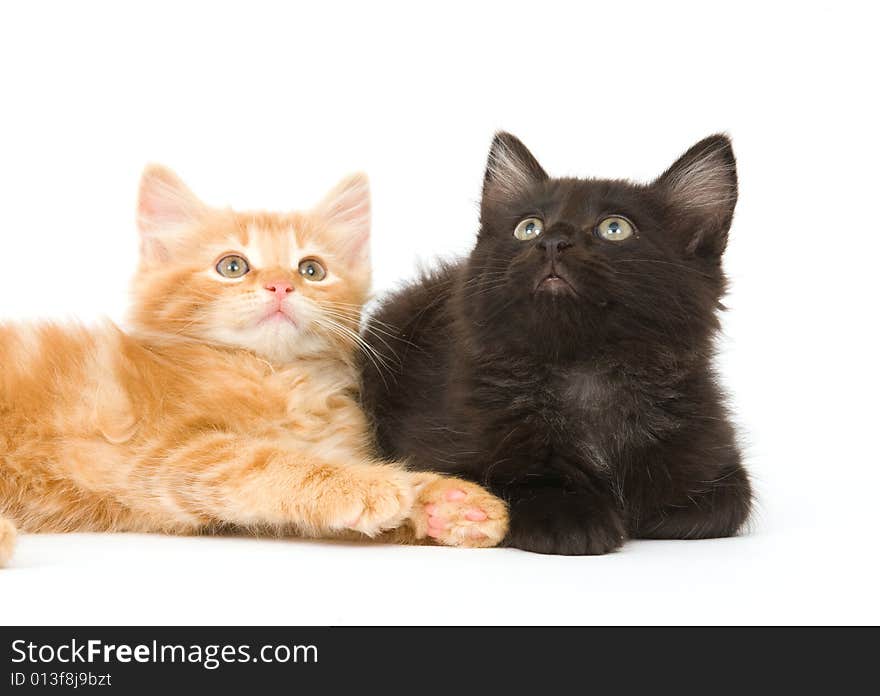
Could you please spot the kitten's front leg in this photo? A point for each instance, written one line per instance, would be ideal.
(717, 505)
(227, 478)
(548, 517)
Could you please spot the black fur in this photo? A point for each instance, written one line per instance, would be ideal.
(588, 403)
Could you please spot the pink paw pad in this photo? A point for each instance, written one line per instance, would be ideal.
(475, 515)
(455, 494)
(436, 523)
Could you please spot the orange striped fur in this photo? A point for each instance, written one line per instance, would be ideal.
(205, 413)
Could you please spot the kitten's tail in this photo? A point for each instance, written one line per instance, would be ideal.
(7, 540)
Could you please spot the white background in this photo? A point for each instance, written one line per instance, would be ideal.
(267, 104)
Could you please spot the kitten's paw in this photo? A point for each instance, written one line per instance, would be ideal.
(383, 500)
(459, 513)
(7, 540)
(563, 523)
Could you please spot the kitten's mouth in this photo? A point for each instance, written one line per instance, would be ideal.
(554, 284)
(277, 316)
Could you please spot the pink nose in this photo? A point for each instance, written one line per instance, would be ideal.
(280, 288)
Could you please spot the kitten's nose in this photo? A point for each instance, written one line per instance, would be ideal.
(554, 244)
(280, 288)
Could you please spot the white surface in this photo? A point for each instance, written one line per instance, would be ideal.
(132, 579)
(266, 106)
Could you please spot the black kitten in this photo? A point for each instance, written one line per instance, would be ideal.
(566, 365)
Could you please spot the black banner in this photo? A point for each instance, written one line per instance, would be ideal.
(135, 660)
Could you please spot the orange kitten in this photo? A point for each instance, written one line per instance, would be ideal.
(232, 401)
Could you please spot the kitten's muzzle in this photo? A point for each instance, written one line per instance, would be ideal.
(553, 245)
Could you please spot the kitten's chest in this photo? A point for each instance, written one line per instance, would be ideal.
(593, 401)
(308, 399)
(604, 414)
(316, 399)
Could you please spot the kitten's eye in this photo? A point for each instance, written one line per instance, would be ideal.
(528, 229)
(232, 266)
(311, 269)
(615, 229)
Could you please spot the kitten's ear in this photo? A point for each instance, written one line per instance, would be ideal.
(511, 168)
(701, 189)
(165, 206)
(346, 211)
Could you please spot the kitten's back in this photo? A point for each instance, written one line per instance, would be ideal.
(58, 388)
(413, 329)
